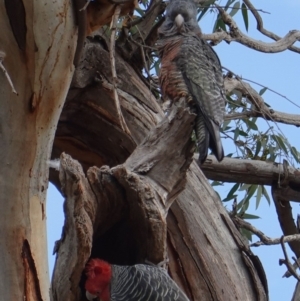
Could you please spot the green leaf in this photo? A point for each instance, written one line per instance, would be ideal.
(280, 143)
(262, 91)
(225, 125)
(252, 125)
(229, 198)
(258, 196)
(251, 191)
(242, 133)
(219, 24)
(295, 154)
(258, 148)
(216, 183)
(233, 189)
(236, 133)
(272, 154)
(229, 2)
(235, 8)
(205, 9)
(266, 195)
(244, 187)
(250, 216)
(246, 233)
(245, 16)
(243, 205)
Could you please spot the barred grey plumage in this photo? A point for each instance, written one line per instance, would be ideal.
(190, 68)
(130, 283)
(143, 282)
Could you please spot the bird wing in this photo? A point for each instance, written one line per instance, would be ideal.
(202, 73)
(142, 282)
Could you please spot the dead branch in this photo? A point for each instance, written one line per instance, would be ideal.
(74, 247)
(264, 239)
(2, 56)
(267, 241)
(286, 261)
(236, 35)
(284, 212)
(113, 68)
(232, 84)
(246, 171)
(260, 26)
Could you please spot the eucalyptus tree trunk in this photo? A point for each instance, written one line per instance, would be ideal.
(35, 49)
(140, 196)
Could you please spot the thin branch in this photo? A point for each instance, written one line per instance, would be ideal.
(113, 68)
(2, 56)
(284, 210)
(260, 26)
(286, 260)
(240, 8)
(262, 110)
(264, 239)
(271, 90)
(237, 35)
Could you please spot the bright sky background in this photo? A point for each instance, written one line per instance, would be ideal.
(280, 72)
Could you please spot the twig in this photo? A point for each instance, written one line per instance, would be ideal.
(257, 9)
(261, 109)
(264, 239)
(235, 34)
(260, 26)
(271, 90)
(286, 260)
(113, 68)
(2, 56)
(86, 5)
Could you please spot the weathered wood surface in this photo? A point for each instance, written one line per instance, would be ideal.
(206, 258)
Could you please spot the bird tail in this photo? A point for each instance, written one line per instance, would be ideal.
(208, 136)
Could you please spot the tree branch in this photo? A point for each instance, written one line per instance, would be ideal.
(265, 240)
(260, 26)
(247, 171)
(236, 35)
(281, 197)
(263, 111)
(286, 261)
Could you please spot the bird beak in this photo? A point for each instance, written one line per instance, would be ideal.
(179, 21)
(89, 296)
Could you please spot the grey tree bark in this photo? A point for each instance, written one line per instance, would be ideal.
(124, 202)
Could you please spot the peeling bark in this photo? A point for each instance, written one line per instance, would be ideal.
(36, 41)
(151, 175)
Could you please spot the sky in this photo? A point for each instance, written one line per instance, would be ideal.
(280, 72)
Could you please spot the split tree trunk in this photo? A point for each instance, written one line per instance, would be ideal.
(123, 207)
